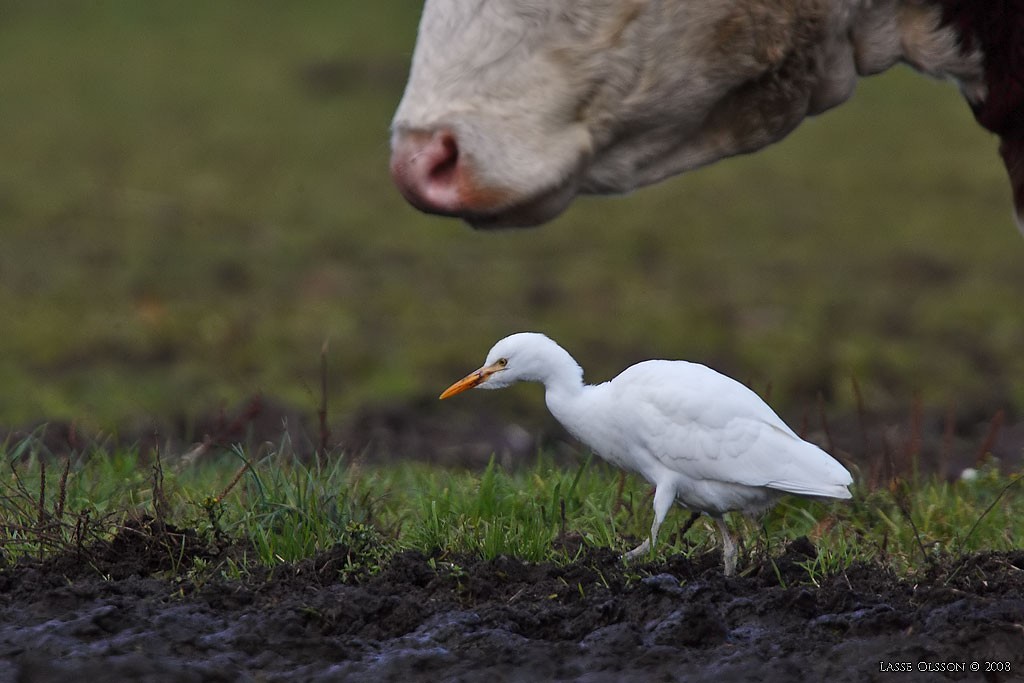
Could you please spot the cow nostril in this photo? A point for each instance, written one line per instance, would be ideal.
(445, 159)
(426, 167)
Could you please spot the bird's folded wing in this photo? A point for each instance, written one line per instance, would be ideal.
(751, 453)
(706, 426)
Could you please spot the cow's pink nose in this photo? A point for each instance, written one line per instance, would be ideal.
(425, 167)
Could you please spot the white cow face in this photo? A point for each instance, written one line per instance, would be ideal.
(492, 125)
(513, 107)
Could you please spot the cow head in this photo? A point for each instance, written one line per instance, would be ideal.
(513, 107)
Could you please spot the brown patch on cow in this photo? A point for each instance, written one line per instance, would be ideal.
(476, 197)
(780, 36)
(764, 109)
(770, 30)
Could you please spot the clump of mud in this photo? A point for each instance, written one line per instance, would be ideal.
(462, 618)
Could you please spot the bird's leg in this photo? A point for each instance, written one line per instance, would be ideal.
(648, 543)
(664, 496)
(694, 516)
(728, 547)
(767, 538)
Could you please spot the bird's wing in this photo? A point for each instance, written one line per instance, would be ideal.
(707, 426)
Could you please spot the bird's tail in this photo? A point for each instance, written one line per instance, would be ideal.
(816, 475)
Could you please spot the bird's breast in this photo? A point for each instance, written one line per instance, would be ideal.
(596, 420)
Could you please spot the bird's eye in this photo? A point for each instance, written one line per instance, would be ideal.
(503, 362)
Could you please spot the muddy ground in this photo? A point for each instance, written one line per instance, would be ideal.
(107, 615)
(118, 611)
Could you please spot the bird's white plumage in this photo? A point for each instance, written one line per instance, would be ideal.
(700, 437)
(708, 427)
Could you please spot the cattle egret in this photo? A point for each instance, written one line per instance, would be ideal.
(698, 436)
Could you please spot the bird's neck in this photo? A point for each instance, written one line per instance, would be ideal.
(565, 381)
(564, 388)
(561, 376)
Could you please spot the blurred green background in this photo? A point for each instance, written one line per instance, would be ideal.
(194, 197)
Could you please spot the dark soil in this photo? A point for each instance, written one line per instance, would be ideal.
(123, 610)
(109, 613)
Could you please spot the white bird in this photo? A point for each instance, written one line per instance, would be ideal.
(698, 436)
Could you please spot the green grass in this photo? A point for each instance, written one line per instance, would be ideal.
(281, 511)
(194, 197)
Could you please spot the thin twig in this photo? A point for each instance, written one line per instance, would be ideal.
(901, 503)
(912, 447)
(62, 490)
(234, 482)
(861, 419)
(994, 425)
(41, 516)
(160, 504)
(947, 442)
(42, 507)
(325, 433)
(898, 489)
(963, 542)
(992, 505)
(19, 484)
(824, 423)
(561, 512)
(619, 488)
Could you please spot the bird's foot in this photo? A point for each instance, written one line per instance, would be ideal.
(638, 551)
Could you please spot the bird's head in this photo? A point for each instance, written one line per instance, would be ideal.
(521, 357)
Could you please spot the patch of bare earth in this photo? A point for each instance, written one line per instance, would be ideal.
(128, 609)
(113, 615)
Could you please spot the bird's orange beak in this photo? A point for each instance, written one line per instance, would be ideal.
(471, 380)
